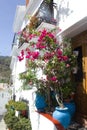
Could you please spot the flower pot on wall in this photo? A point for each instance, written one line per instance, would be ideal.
(40, 102)
(63, 116)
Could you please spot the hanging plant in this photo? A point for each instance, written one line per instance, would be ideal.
(33, 23)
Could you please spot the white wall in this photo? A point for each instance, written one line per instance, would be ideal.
(38, 121)
(70, 11)
(4, 98)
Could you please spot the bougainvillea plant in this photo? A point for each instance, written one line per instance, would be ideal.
(49, 63)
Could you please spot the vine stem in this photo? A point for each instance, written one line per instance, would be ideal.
(60, 103)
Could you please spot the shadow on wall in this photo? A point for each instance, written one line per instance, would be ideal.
(64, 10)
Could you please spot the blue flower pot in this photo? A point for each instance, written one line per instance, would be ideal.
(40, 103)
(71, 107)
(63, 116)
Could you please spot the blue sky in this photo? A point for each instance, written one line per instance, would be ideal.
(7, 13)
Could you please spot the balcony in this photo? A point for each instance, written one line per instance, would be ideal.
(43, 18)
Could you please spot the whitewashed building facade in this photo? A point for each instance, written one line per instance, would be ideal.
(72, 20)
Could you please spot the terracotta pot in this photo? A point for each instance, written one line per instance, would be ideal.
(23, 112)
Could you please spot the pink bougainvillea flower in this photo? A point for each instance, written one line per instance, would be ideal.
(54, 78)
(42, 35)
(44, 32)
(60, 58)
(22, 53)
(59, 52)
(40, 46)
(20, 58)
(31, 36)
(35, 54)
(67, 65)
(65, 58)
(48, 55)
(28, 52)
(28, 56)
(51, 35)
(40, 39)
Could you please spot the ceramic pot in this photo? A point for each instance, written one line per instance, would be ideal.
(63, 116)
(71, 107)
(40, 102)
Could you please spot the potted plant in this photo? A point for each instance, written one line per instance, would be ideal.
(52, 63)
(22, 124)
(21, 108)
(10, 119)
(13, 122)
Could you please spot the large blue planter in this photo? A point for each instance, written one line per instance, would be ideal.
(40, 102)
(63, 116)
(71, 107)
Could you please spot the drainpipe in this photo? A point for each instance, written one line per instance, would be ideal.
(27, 2)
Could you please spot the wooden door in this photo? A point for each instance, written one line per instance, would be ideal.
(79, 43)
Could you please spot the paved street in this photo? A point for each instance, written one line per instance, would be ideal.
(2, 124)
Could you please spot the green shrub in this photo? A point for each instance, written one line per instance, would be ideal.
(20, 105)
(16, 123)
(16, 105)
(10, 119)
(10, 105)
(22, 124)
(13, 122)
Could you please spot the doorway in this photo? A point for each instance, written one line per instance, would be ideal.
(79, 43)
